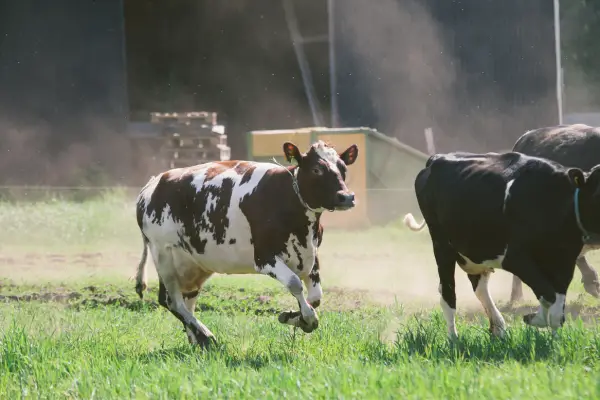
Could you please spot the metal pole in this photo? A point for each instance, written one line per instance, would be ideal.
(332, 66)
(124, 55)
(292, 24)
(559, 82)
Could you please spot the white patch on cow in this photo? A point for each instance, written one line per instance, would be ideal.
(449, 315)
(314, 289)
(328, 154)
(540, 319)
(482, 292)
(507, 193)
(307, 254)
(556, 312)
(550, 316)
(146, 192)
(486, 266)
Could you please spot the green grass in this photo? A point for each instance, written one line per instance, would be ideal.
(71, 325)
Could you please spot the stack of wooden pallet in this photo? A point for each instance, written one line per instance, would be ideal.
(190, 138)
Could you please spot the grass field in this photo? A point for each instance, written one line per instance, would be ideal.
(71, 325)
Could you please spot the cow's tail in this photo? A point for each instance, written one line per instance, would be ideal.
(140, 275)
(410, 221)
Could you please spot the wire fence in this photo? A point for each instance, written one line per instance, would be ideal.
(383, 204)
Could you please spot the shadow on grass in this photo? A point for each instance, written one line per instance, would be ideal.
(573, 311)
(232, 359)
(427, 339)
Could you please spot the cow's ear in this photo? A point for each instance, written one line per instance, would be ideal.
(576, 176)
(349, 155)
(292, 154)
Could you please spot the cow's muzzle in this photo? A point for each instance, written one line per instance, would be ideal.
(344, 200)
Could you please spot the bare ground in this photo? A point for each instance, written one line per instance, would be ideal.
(351, 282)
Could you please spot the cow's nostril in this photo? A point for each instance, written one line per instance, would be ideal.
(342, 198)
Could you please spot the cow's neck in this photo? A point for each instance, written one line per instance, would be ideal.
(293, 203)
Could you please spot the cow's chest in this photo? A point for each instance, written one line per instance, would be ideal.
(480, 266)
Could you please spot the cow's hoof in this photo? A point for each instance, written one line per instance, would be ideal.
(527, 318)
(306, 327)
(285, 316)
(535, 319)
(497, 331)
(207, 342)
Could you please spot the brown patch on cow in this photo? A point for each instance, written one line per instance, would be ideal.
(214, 171)
(275, 213)
(219, 167)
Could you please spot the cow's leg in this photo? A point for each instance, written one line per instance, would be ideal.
(589, 277)
(480, 286)
(519, 262)
(516, 293)
(445, 257)
(307, 319)
(162, 294)
(175, 301)
(313, 286)
(190, 303)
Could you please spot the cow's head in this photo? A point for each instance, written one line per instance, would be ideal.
(588, 184)
(322, 173)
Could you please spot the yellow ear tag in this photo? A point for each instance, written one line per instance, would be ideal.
(577, 181)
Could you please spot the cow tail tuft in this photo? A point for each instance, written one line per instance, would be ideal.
(140, 276)
(411, 223)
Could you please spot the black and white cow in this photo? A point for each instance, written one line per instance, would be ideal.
(241, 217)
(508, 211)
(576, 146)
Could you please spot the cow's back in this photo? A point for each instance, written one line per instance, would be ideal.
(466, 195)
(570, 145)
(463, 188)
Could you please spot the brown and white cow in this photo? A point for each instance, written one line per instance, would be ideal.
(241, 217)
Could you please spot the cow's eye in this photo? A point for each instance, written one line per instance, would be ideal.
(317, 171)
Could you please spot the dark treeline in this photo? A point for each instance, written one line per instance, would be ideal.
(480, 72)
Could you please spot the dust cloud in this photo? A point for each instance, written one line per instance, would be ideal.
(411, 67)
(405, 66)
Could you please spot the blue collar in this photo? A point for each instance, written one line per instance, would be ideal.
(586, 236)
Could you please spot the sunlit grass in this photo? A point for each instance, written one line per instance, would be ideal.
(78, 330)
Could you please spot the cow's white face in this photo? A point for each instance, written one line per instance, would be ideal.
(322, 174)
